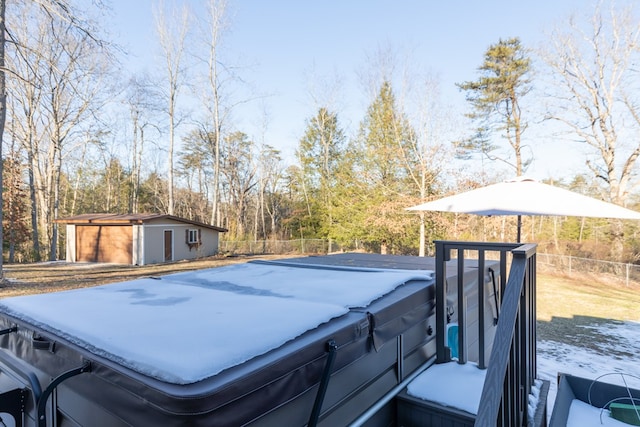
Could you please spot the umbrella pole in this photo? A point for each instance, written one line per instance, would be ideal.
(519, 227)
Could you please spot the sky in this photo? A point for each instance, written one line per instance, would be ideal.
(286, 47)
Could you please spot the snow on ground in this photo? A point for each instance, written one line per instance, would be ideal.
(611, 348)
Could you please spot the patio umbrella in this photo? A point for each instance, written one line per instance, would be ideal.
(526, 197)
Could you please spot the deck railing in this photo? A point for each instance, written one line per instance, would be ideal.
(511, 369)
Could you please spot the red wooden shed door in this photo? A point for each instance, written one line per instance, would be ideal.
(104, 243)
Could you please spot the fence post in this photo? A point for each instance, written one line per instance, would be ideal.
(628, 268)
(569, 264)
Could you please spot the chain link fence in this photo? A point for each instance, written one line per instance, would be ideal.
(299, 246)
(629, 274)
(624, 272)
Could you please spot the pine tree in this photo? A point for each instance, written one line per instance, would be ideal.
(319, 153)
(384, 135)
(375, 197)
(495, 100)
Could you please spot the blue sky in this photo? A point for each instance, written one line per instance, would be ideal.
(283, 40)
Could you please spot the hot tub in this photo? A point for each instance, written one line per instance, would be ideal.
(266, 344)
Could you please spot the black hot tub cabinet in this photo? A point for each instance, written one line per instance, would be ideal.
(249, 344)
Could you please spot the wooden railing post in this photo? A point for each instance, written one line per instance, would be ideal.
(512, 369)
(462, 310)
(481, 297)
(443, 353)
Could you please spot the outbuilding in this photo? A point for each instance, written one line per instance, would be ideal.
(138, 239)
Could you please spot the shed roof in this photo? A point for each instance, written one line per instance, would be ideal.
(132, 219)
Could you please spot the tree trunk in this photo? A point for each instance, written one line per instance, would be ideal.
(76, 186)
(34, 206)
(262, 218)
(170, 157)
(3, 115)
(617, 240)
(136, 191)
(172, 33)
(53, 254)
(215, 215)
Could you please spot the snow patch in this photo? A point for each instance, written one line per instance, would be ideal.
(582, 414)
(554, 357)
(450, 384)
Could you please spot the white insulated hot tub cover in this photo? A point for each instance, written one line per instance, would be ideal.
(214, 319)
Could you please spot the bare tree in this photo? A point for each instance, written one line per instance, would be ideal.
(27, 90)
(74, 81)
(239, 171)
(172, 35)
(268, 157)
(3, 115)
(194, 167)
(271, 175)
(142, 102)
(596, 96)
(59, 71)
(217, 77)
(428, 152)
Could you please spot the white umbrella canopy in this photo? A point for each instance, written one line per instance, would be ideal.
(526, 197)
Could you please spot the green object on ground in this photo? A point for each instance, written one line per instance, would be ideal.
(626, 413)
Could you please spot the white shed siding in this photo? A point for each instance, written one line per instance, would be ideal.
(138, 246)
(154, 241)
(209, 246)
(71, 243)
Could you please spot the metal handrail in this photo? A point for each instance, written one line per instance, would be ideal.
(511, 368)
(478, 251)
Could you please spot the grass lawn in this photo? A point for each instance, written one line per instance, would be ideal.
(585, 295)
(577, 310)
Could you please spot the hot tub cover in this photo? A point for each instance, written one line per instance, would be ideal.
(216, 318)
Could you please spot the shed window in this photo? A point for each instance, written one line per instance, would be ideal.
(193, 236)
